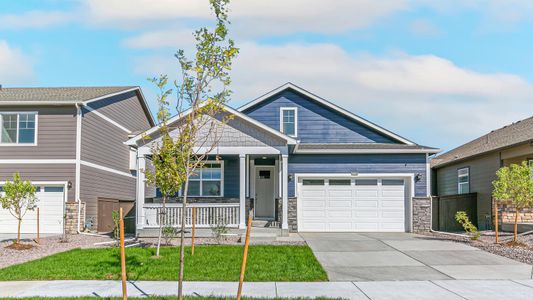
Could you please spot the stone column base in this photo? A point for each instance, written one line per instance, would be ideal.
(421, 214)
(71, 218)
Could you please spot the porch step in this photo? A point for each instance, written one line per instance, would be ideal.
(265, 224)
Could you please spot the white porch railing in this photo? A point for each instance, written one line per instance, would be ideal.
(206, 214)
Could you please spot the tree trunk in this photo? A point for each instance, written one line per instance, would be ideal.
(515, 225)
(161, 218)
(182, 238)
(18, 230)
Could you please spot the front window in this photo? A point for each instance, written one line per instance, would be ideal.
(17, 128)
(288, 121)
(207, 181)
(463, 181)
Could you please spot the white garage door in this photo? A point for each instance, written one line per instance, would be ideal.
(344, 204)
(51, 201)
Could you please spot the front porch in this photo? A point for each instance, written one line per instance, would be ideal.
(238, 185)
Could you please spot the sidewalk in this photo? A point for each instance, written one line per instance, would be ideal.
(437, 289)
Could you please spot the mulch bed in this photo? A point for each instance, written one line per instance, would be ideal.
(521, 251)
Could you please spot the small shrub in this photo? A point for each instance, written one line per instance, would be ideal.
(219, 229)
(116, 229)
(169, 233)
(462, 218)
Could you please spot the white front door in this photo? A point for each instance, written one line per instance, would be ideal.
(264, 190)
(51, 201)
(345, 204)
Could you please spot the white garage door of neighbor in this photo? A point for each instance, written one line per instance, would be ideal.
(344, 204)
(51, 200)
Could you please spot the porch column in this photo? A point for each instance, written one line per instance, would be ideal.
(141, 166)
(242, 190)
(285, 191)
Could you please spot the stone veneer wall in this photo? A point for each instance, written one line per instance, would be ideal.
(71, 221)
(421, 214)
(293, 215)
(506, 212)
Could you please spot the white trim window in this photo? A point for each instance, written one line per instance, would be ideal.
(288, 117)
(18, 128)
(208, 181)
(463, 181)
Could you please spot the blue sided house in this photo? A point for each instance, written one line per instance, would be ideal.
(300, 163)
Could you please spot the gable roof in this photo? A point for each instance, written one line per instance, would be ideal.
(507, 136)
(291, 141)
(67, 96)
(328, 104)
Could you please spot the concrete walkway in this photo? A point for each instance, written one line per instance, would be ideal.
(435, 289)
(405, 256)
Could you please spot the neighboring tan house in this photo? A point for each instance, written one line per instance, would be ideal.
(70, 143)
(472, 167)
(303, 164)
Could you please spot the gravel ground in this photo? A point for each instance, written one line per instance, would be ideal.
(232, 240)
(48, 246)
(522, 253)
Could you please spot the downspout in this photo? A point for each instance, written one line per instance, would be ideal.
(78, 164)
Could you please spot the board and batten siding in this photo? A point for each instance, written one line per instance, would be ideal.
(97, 183)
(316, 123)
(360, 163)
(482, 173)
(42, 172)
(125, 109)
(56, 134)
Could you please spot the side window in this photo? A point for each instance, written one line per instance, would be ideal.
(463, 181)
(18, 128)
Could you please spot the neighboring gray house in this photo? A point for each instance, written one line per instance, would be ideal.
(70, 143)
(471, 168)
(303, 164)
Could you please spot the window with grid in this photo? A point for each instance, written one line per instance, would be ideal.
(207, 181)
(17, 128)
(288, 121)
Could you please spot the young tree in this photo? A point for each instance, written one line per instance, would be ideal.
(514, 183)
(167, 174)
(19, 198)
(201, 94)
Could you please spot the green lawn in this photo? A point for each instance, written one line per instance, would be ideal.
(162, 298)
(209, 263)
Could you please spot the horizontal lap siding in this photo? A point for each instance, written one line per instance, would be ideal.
(125, 109)
(102, 143)
(482, 173)
(42, 172)
(231, 176)
(98, 183)
(361, 163)
(56, 134)
(316, 123)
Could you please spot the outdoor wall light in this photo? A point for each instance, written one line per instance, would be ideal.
(69, 184)
(290, 177)
(418, 176)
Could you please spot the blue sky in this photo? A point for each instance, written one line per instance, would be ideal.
(437, 72)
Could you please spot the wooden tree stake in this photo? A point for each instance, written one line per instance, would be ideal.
(193, 228)
(496, 219)
(244, 257)
(38, 240)
(122, 255)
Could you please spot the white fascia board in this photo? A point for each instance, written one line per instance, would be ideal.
(291, 141)
(328, 104)
(85, 102)
(364, 151)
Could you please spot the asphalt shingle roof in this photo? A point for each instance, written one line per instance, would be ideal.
(516, 133)
(59, 95)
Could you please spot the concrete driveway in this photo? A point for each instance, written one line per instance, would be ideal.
(405, 256)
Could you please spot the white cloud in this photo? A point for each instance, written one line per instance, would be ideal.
(15, 67)
(251, 17)
(424, 97)
(161, 39)
(35, 19)
(423, 27)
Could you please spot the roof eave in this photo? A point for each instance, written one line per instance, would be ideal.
(366, 151)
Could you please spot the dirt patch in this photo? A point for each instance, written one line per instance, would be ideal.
(19, 246)
(521, 251)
